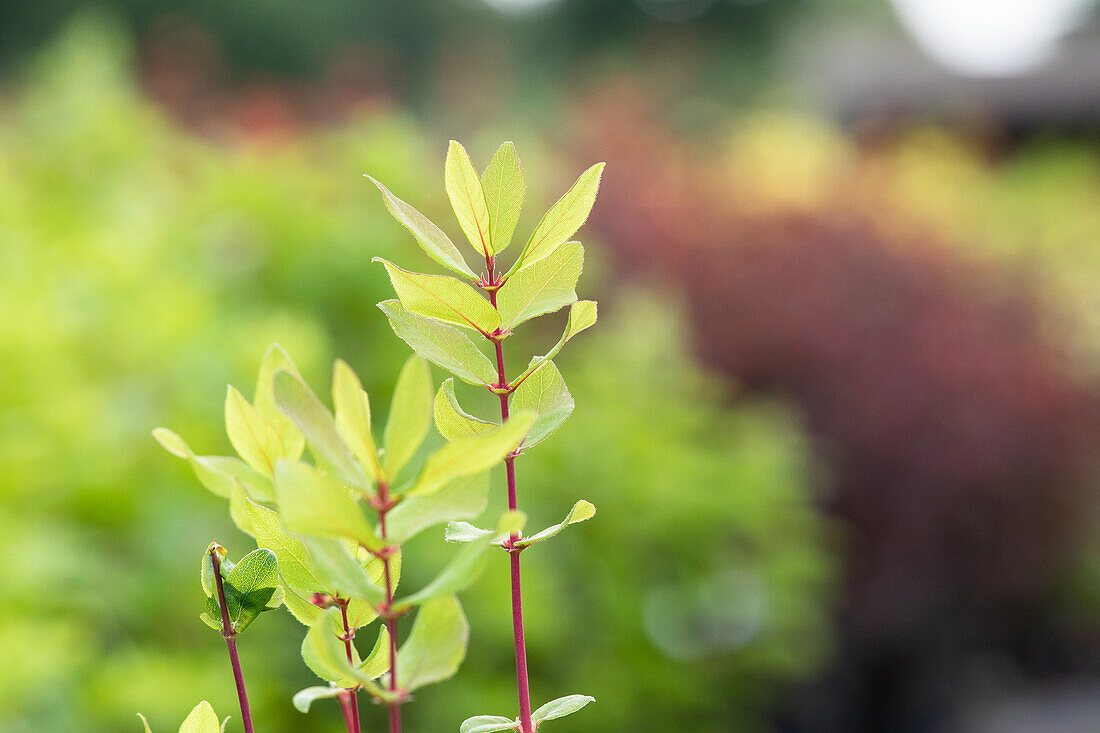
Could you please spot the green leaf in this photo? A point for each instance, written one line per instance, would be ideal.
(299, 605)
(463, 498)
(292, 439)
(303, 699)
(295, 564)
(472, 454)
(545, 393)
(581, 511)
(442, 298)
(410, 415)
(467, 198)
(298, 402)
(504, 189)
(450, 419)
(254, 438)
(582, 315)
(561, 707)
(377, 663)
(510, 523)
(541, 287)
(238, 509)
(312, 503)
(563, 219)
(442, 345)
(326, 654)
(216, 473)
(353, 418)
(463, 569)
(250, 587)
(487, 724)
(341, 571)
(201, 720)
(436, 646)
(431, 238)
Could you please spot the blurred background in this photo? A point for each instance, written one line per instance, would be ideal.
(840, 415)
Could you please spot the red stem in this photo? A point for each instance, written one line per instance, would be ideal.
(350, 701)
(391, 622)
(230, 637)
(522, 683)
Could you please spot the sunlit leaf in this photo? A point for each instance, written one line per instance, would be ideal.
(312, 503)
(353, 418)
(563, 219)
(145, 723)
(472, 454)
(341, 571)
(582, 315)
(437, 645)
(255, 439)
(327, 656)
(431, 238)
(295, 563)
(298, 402)
(463, 569)
(377, 663)
(467, 198)
(561, 707)
(541, 287)
(442, 345)
(442, 298)
(216, 473)
(303, 699)
(510, 523)
(463, 498)
(450, 419)
(299, 605)
(504, 189)
(580, 512)
(487, 724)
(410, 415)
(545, 393)
(292, 439)
(201, 720)
(238, 509)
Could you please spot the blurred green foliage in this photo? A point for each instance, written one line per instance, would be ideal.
(142, 269)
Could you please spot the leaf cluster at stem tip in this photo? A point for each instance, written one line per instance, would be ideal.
(441, 317)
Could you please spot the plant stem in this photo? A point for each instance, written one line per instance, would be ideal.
(230, 637)
(391, 622)
(522, 683)
(351, 703)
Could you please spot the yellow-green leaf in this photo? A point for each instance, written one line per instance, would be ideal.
(216, 473)
(312, 503)
(410, 415)
(201, 720)
(582, 315)
(353, 418)
(580, 512)
(255, 439)
(431, 238)
(436, 646)
(541, 287)
(295, 564)
(450, 419)
(472, 454)
(467, 198)
(264, 400)
(563, 219)
(463, 498)
(504, 189)
(545, 393)
(442, 345)
(442, 298)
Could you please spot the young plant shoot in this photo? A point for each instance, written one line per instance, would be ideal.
(330, 532)
(434, 313)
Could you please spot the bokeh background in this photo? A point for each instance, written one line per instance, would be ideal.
(840, 415)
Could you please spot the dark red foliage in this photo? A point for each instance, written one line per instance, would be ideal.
(953, 427)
